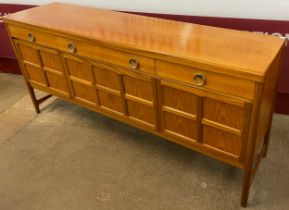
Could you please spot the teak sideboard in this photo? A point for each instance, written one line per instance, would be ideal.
(206, 88)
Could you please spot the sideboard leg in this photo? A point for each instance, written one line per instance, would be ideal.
(266, 141)
(246, 187)
(34, 100)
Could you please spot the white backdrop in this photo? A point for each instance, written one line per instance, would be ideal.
(256, 9)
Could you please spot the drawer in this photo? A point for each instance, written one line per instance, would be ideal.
(32, 35)
(205, 79)
(86, 49)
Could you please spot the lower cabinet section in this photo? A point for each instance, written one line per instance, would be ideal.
(218, 123)
(183, 113)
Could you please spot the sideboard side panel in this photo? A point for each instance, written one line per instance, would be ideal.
(268, 102)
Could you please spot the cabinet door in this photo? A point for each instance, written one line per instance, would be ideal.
(178, 111)
(212, 122)
(80, 77)
(140, 99)
(43, 68)
(124, 93)
(225, 124)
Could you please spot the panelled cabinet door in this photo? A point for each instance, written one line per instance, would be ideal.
(109, 88)
(140, 99)
(31, 63)
(225, 125)
(43, 68)
(178, 112)
(112, 89)
(80, 77)
(217, 123)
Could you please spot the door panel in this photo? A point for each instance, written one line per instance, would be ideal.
(180, 126)
(110, 102)
(139, 97)
(106, 78)
(57, 83)
(78, 69)
(29, 54)
(84, 93)
(141, 112)
(138, 87)
(35, 74)
(43, 66)
(51, 61)
(180, 100)
(222, 140)
(178, 112)
(222, 113)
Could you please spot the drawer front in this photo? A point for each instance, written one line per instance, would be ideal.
(206, 80)
(34, 36)
(82, 48)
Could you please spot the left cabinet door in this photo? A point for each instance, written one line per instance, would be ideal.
(43, 68)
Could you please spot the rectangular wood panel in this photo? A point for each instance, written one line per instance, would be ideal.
(57, 83)
(222, 140)
(35, 74)
(84, 93)
(51, 60)
(29, 53)
(110, 102)
(222, 113)
(141, 112)
(180, 100)
(180, 126)
(138, 87)
(79, 69)
(106, 78)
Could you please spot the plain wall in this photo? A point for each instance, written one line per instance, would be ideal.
(255, 9)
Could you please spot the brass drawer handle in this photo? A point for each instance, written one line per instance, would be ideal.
(134, 64)
(200, 79)
(31, 37)
(71, 47)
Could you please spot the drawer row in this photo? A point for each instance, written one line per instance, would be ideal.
(196, 77)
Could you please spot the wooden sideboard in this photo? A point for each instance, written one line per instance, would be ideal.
(206, 88)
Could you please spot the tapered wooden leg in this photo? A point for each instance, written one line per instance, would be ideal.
(246, 187)
(34, 99)
(266, 141)
(36, 102)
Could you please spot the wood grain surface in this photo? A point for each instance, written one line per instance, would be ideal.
(199, 43)
(142, 71)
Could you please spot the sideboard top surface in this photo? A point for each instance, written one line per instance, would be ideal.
(242, 52)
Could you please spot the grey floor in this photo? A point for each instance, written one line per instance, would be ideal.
(69, 158)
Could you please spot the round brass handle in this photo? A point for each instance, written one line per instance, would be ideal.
(200, 79)
(71, 47)
(134, 64)
(31, 37)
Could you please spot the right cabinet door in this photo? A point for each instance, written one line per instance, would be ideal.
(225, 124)
(215, 122)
